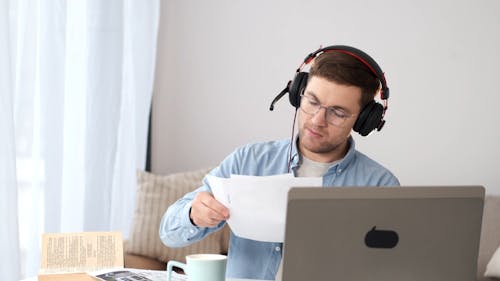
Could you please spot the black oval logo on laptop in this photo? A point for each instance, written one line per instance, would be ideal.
(376, 238)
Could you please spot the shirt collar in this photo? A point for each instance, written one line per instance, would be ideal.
(349, 156)
(295, 153)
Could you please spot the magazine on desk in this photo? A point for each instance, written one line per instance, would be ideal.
(131, 274)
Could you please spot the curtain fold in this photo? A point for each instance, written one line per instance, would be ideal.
(9, 236)
(78, 92)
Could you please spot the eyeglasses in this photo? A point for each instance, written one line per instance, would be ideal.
(334, 115)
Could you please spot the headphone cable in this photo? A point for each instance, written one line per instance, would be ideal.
(291, 141)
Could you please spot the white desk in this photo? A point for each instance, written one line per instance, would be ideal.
(155, 275)
(229, 279)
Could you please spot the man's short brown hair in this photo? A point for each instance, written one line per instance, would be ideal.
(345, 69)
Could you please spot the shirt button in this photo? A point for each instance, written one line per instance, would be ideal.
(339, 171)
(277, 249)
(191, 231)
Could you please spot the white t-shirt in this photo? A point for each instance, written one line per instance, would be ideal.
(308, 168)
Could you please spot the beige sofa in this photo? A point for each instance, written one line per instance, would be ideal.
(155, 193)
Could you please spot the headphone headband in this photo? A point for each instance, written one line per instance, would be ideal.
(361, 56)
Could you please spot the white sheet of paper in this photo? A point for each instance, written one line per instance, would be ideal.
(257, 204)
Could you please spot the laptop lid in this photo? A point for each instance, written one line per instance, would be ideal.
(383, 233)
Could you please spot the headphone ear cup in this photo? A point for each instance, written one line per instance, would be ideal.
(369, 118)
(296, 88)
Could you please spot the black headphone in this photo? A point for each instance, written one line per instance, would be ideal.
(372, 115)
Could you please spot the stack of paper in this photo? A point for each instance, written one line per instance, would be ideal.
(257, 204)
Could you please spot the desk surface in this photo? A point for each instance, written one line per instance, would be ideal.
(152, 274)
(229, 279)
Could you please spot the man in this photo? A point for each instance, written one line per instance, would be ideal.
(342, 81)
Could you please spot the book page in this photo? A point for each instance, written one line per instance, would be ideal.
(81, 252)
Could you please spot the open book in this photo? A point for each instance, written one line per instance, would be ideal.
(90, 256)
(71, 256)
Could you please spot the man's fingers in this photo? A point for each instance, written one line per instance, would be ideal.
(218, 210)
(210, 222)
(206, 211)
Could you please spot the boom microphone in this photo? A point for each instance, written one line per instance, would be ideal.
(279, 96)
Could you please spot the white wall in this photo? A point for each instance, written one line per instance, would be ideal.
(221, 62)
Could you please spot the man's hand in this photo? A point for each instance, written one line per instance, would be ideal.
(206, 211)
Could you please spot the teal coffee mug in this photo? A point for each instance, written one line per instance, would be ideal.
(201, 267)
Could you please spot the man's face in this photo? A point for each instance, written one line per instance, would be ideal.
(318, 139)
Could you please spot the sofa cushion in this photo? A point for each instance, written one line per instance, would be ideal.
(155, 193)
(493, 267)
(490, 238)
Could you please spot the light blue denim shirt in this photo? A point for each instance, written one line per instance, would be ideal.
(253, 259)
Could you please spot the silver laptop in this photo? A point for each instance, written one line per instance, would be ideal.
(383, 233)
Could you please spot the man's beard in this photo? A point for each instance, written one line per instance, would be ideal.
(318, 147)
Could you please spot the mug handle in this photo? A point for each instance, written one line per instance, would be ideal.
(172, 264)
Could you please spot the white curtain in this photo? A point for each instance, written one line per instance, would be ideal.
(76, 86)
(9, 241)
